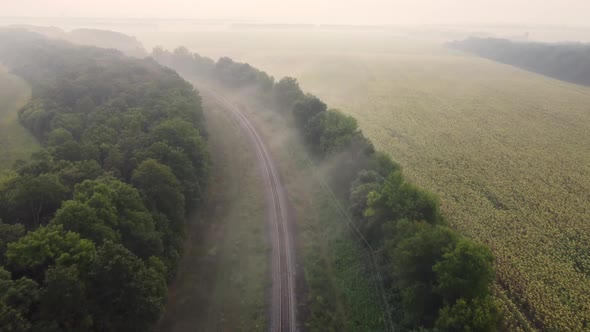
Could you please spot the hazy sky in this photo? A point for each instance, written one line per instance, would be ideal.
(572, 12)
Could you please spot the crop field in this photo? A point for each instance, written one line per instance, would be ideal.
(15, 141)
(507, 151)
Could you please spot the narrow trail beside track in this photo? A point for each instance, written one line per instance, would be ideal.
(282, 266)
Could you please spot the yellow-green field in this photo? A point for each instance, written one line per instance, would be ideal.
(509, 154)
(15, 141)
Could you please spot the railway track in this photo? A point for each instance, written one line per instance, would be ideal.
(283, 301)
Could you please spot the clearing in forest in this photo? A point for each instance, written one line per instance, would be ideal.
(15, 141)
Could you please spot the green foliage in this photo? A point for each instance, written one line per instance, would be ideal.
(8, 234)
(182, 60)
(162, 195)
(365, 183)
(20, 294)
(411, 259)
(63, 303)
(63, 146)
(11, 320)
(406, 201)
(84, 219)
(160, 190)
(127, 294)
(478, 315)
(184, 140)
(330, 132)
(464, 272)
(17, 298)
(106, 122)
(48, 245)
(241, 75)
(31, 200)
(306, 108)
(225, 70)
(71, 173)
(382, 164)
(286, 92)
(119, 206)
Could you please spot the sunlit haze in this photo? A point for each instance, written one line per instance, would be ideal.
(562, 12)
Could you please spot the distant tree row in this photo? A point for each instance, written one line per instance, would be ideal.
(436, 279)
(225, 70)
(92, 226)
(564, 61)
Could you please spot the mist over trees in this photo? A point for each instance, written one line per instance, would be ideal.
(92, 225)
(435, 279)
(92, 37)
(564, 61)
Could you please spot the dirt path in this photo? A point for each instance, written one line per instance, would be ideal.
(223, 277)
(283, 300)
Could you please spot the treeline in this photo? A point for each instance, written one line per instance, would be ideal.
(225, 71)
(435, 279)
(92, 225)
(564, 61)
(91, 37)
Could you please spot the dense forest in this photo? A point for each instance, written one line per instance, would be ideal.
(564, 61)
(435, 279)
(92, 37)
(92, 226)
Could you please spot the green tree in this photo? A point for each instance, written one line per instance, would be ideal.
(41, 162)
(127, 295)
(72, 122)
(33, 198)
(160, 190)
(381, 163)
(330, 132)
(63, 302)
(70, 173)
(366, 182)
(286, 92)
(58, 137)
(11, 320)
(306, 108)
(17, 300)
(48, 246)
(180, 165)
(464, 272)
(99, 113)
(478, 315)
(119, 206)
(181, 134)
(8, 234)
(83, 219)
(419, 246)
(402, 200)
(174, 136)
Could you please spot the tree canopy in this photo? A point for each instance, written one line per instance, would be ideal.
(92, 225)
